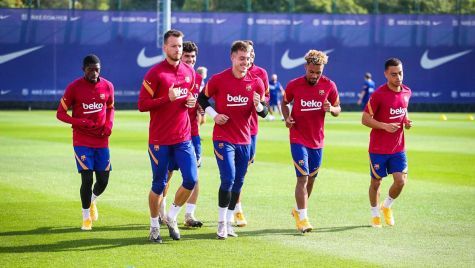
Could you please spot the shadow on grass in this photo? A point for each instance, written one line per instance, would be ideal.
(65, 230)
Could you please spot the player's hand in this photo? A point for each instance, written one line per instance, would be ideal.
(392, 127)
(173, 93)
(190, 101)
(327, 106)
(221, 119)
(106, 131)
(256, 99)
(407, 124)
(201, 111)
(289, 122)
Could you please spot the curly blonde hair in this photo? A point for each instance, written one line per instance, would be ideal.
(316, 57)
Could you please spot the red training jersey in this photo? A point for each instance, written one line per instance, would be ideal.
(234, 98)
(193, 112)
(388, 106)
(307, 110)
(169, 120)
(262, 74)
(92, 101)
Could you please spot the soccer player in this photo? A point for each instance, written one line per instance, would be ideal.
(313, 95)
(368, 89)
(190, 52)
(254, 70)
(166, 94)
(92, 101)
(237, 95)
(276, 93)
(386, 115)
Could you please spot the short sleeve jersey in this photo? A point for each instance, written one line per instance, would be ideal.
(89, 101)
(388, 106)
(169, 122)
(262, 74)
(307, 110)
(234, 98)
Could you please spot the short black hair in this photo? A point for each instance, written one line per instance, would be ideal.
(90, 59)
(240, 45)
(172, 32)
(367, 75)
(189, 47)
(392, 62)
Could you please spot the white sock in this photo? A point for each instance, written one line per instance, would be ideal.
(85, 214)
(302, 213)
(154, 222)
(229, 215)
(375, 211)
(163, 206)
(190, 208)
(222, 214)
(94, 197)
(238, 207)
(388, 202)
(173, 211)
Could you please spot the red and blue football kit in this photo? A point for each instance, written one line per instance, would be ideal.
(307, 134)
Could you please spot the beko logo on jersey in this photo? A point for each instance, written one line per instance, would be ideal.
(312, 105)
(237, 100)
(181, 92)
(398, 112)
(92, 108)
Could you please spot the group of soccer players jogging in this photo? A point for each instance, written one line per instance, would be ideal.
(170, 92)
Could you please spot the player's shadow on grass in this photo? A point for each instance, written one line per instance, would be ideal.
(65, 230)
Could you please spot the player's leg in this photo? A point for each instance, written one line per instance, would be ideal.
(190, 219)
(85, 164)
(225, 155)
(159, 162)
(301, 164)
(239, 218)
(378, 170)
(397, 165)
(314, 163)
(102, 168)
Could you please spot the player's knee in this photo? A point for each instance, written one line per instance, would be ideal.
(375, 183)
(158, 187)
(189, 184)
(226, 185)
(237, 185)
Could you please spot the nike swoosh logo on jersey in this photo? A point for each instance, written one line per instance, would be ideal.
(288, 63)
(220, 21)
(14, 55)
(144, 61)
(427, 63)
(74, 18)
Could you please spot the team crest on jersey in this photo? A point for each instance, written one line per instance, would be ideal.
(248, 87)
(187, 79)
(102, 96)
(301, 162)
(376, 166)
(156, 147)
(83, 158)
(220, 145)
(321, 92)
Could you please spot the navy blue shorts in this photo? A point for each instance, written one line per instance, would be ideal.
(87, 158)
(383, 164)
(252, 152)
(232, 162)
(161, 156)
(307, 161)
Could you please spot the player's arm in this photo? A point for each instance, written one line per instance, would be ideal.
(110, 111)
(203, 101)
(147, 100)
(62, 112)
(284, 106)
(407, 122)
(368, 120)
(260, 99)
(332, 104)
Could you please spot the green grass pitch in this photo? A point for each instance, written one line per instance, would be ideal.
(435, 214)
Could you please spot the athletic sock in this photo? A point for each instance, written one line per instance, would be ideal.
(388, 202)
(222, 214)
(190, 208)
(173, 211)
(238, 208)
(302, 213)
(85, 213)
(154, 222)
(93, 197)
(375, 211)
(163, 206)
(229, 215)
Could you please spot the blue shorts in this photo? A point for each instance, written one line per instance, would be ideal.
(307, 161)
(162, 155)
(274, 99)
(97, 159)
(196, 140)
(383, 164)
(252, 151)
(232, 163)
